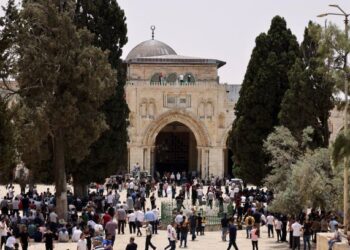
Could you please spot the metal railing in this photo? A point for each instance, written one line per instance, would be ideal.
(169, 211)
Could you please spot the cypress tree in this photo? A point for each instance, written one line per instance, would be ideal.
(263, 88)
(63, 83)
(106, 20)
(310, 98)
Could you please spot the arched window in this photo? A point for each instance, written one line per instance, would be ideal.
(157, 78)
(143, 108)
(201, 110)
(189, 78)
(171, 78)
(151, 109)
(209, 110)
(221, 120)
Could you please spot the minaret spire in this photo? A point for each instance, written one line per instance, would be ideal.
(153, 29)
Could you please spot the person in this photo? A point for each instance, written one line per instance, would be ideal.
(139, 220)
(254, 236)
(224, 227)
(169, 232)
(270, 221)
(63, 235)
(149, 237)
(332, 224)
(107, 242)
(172, 239)
(48, 238)
(278, 228)
(307, 232)
(76, 234)
(24, 237)
(132, 222)
(110, 229)
(3, 231)
(336, 238)
(151, 218)
(81, 244)
(10, 242)
(183, 232)
(132, 245)
(296, 227)
(233, 235)
(121, 216)
(249, 222)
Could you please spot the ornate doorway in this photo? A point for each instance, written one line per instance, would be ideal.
(175, 149)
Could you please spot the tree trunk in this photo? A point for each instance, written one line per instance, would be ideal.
(60, 175)
(80, 190)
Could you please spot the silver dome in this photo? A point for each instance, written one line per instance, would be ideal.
(150, 48)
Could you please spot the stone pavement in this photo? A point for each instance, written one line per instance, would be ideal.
(211, 240)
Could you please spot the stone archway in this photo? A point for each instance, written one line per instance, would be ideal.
(194, 125)
(197, 127)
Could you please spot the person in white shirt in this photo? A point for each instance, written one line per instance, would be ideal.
(270, 221)
(81, 244)
(278, 228)
(10, 242)
(76, 234)
(169, 232)
(132, 222)
(3, 231)
(297, 227)
(140, 216)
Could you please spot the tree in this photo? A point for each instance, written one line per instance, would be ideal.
(341, 147)
(63, 81)
(7, 143)
(311, 184)
(310, 98)
(283, 151)
(263, 88)
(106, 20)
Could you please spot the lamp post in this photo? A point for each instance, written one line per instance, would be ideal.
(346, 171)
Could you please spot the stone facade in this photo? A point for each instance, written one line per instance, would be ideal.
(199, 103)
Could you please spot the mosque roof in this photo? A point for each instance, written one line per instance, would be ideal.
(150, 48)
(155, 52)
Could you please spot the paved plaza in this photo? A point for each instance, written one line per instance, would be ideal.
(210, 241)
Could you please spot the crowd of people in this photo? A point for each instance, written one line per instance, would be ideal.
(95, 221)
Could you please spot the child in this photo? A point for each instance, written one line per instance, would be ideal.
(254, 237)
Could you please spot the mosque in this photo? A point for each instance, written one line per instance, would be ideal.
(180, 113)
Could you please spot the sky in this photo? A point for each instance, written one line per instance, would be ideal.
(219, 29)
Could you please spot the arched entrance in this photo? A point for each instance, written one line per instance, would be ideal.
(198, 151)
(175, 150)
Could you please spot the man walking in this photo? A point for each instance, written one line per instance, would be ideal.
(224, 227)
(270, 221)
(233, 236)
(149, 237)
(296, 234)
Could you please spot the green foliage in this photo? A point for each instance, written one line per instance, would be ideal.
(310, 98)
(106, 20)
(8, 35)
(341, 147)
(63, 81)
(310, 184)
(263, 88)
(284, 151)
(8, 154)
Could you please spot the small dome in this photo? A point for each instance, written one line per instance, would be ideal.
(150, 48)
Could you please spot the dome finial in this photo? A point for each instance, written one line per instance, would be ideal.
(153, 28)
